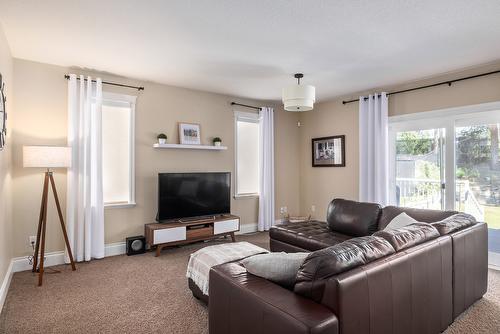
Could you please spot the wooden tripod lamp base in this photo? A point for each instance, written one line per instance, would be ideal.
(48, 157)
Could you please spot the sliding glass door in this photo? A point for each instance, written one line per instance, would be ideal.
(478, 177)
(420, 169)
(449, 160)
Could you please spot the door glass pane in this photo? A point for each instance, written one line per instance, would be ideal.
(420, 169)
(478, 176)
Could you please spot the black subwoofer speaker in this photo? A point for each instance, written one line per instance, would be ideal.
(135, 245)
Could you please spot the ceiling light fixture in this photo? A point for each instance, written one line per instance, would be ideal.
(299, 97)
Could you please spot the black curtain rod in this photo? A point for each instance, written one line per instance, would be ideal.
(245, 105)
(110, 83)
(449, 82)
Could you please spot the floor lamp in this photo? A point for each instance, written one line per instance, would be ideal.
(47, 157)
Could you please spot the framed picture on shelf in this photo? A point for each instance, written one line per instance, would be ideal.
(189, 134)
(328, 151)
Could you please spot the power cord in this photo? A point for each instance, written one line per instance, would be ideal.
(31, 258)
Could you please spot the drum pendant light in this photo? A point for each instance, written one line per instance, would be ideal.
(299, 97)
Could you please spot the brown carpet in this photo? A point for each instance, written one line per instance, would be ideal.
(144, 294)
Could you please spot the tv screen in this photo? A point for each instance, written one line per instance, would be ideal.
(182, 195)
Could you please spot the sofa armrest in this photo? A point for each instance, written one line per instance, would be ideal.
(470, 266)
(242, 303)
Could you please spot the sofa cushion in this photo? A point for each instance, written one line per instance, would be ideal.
(454, 223)
(408, 236)
(311, 235)
(421, 215)
(353, 218)
(280, 268)
(333, 260)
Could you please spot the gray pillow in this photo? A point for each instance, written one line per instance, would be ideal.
(280, 268)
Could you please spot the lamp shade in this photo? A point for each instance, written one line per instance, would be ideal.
(299, 98)
(47, 156)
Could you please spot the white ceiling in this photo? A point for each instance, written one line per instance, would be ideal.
(251, 48)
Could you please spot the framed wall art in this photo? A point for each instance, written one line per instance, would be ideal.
(189, 134)
(328, 151)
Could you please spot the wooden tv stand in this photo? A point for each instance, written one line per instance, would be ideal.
(178, 232)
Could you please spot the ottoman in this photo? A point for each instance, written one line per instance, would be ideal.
(201, 261)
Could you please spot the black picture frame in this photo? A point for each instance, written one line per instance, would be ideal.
(326, 156)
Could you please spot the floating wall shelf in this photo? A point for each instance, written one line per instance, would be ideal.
(191, 147)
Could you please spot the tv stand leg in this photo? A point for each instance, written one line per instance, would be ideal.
(232, 237)
(158, 250)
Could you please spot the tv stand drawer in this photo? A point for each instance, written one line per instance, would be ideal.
(162, 236)
(225, 226)
(202, 231)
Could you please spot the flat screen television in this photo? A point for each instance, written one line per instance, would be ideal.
(185, 195)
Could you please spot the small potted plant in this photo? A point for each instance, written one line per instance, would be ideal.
(162, 138)
(217, 141)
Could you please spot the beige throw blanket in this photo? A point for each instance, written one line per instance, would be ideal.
(202, 260)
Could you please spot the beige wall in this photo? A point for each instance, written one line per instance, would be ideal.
(319, 185)
(41, 98)
(40, 118)
(6, 243)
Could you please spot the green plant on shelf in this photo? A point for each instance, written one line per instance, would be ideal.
(162, 138)
(217, 141)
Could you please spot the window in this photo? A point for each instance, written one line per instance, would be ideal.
(118, 150)
(449, 159)
(247, 127)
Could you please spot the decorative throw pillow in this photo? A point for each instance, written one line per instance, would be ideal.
(400, 220)
(280, 268)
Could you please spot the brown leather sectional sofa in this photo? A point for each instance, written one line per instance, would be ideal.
(360, 278)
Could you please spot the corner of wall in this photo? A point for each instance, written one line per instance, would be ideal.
(6, 224)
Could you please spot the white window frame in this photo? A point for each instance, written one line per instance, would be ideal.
(129, 101)
(245, 117)
(443, 118)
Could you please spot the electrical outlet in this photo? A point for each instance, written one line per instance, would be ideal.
(32, 239)
(313, 208)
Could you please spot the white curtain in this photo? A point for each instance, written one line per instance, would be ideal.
(266, 162)
(373, 148)
(85, 207)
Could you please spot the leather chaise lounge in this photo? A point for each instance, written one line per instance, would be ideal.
(359, 278)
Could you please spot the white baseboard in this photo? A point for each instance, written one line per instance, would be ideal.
(251, 228)
(117, 248)
(247, 228)
(51, 259)
(5, 285)
(56, 258)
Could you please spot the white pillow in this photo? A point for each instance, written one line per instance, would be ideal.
(280, 267)
(400, 220)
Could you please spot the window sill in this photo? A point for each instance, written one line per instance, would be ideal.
(243, 196)
(119, 205)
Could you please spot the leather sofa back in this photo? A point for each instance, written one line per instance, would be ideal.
(320, 265)
(454, 223)
(357, 219)
(407, 292)
(409, 236)
(426, 216)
